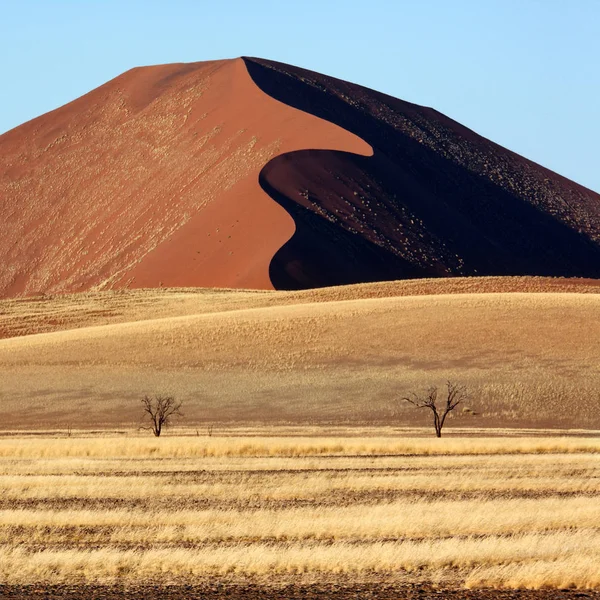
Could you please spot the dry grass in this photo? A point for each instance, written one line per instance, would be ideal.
(47, 313)
(540, 554)
(407, 518)
(242, 446)
(284, 488)
(491, 508)
(516, 512)
(333, 356)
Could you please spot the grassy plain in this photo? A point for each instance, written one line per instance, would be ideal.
(265, 506)
(527, 348)
(340, 483)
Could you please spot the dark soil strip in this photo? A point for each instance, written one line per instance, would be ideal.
(341, 498)
(224, 476)
(288, 592)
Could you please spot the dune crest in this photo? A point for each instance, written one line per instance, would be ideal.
(434, 199)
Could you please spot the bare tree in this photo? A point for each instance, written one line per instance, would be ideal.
(456, 393)
(159, 410)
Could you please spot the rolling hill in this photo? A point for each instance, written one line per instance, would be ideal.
(527, 348)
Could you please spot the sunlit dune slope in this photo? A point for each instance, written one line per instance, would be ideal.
(339, 355)
(151, 180)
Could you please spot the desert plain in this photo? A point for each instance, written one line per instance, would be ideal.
(297, 470)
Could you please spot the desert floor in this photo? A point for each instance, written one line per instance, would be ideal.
(297, 471)
(526, 348)
(303, 513)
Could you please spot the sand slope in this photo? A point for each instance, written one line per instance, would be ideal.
(151, 180)
(433, 199)
(247, 173)
(339, 355)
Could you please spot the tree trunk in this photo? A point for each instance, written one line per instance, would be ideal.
(437, 424)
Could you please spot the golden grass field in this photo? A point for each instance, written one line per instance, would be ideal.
(296, 462)
(268, 505)
(527, 348)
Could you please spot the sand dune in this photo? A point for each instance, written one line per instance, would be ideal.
(339, 355)
(151, 180)
(247, 173)
(434, 199)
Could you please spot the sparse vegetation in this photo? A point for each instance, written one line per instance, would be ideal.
(473, 512)
(454, 396)
(304, 344)
(362, 502)
(159, 410)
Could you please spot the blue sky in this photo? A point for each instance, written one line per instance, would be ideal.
(525, 73)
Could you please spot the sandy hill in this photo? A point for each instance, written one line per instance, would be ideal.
(247, 173)
(527, 348)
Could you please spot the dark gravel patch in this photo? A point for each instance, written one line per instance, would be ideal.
(287, 592)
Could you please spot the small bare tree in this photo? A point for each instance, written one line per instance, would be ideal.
(159, 410)
(456, 393)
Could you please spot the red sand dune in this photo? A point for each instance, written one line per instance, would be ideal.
(150, 180)
(158, 178)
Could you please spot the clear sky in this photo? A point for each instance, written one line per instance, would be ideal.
(524, 73)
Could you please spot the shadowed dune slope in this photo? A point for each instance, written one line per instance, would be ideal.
(526, 347)
(151, 180)
(435, 199)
